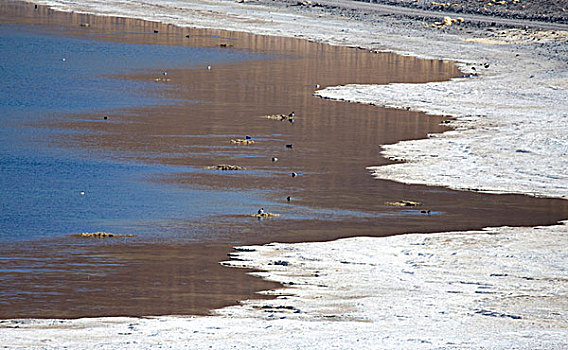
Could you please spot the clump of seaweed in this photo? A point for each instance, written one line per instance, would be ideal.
(226, 167)
(264, 215)
(281, 117)
(404, 203)
(242, 141)
(100, 234)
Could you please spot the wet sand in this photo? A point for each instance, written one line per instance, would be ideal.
(333, 143)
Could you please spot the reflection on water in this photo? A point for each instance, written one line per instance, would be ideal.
(44, 75)
(145, 166)
(77, 278)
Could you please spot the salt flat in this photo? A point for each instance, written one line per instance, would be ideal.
(498, 288)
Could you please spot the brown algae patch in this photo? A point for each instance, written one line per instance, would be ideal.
(281, 117)
(264, 215)
(100, 234)
(225, 167)
(242, 141)
(404, 203)
(259, 216)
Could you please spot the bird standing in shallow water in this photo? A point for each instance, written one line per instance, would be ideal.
(261, 211)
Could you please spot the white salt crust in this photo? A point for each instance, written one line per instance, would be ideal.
(495, 289)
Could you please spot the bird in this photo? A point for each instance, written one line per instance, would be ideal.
(317, 86)
(105, 117)
(289, 146)
(156, 31)
(261, 211)
(291, 115)
(82, 193)
(64, 59)
(209, 67)
(274, 159)
(248, 137)
(294, 174)
(288, 198)
(165, 74)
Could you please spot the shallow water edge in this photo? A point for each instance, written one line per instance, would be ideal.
(328, 184)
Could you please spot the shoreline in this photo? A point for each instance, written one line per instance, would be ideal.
(524, 79)
(214, 331)
(413, 292)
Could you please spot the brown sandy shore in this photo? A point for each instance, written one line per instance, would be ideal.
(331, 152)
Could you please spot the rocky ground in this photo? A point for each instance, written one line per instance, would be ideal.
(546, 11)
(519, 13)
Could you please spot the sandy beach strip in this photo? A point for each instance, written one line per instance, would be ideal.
(501, 288)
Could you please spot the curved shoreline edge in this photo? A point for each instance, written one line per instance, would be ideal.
(511, 127)
(403, 291)
(511, 131)
(501, 287)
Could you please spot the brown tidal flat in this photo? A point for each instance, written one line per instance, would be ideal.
(333, 196)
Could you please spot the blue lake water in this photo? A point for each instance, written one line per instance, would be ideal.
(48, 191)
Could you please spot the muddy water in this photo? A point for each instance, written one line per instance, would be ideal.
(175, 270)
